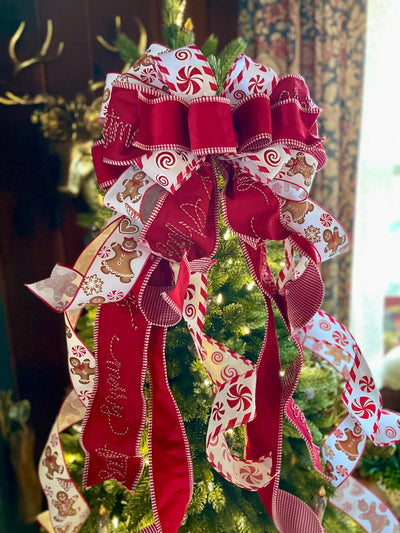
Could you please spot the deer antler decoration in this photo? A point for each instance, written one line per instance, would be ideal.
(12, 99)
(141, 46)
(40, 57)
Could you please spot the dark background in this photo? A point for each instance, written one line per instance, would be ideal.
(38, 226)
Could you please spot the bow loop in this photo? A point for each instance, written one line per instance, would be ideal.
(185, 222)
(120, 127)
(141, 120)
(247, 77)
(252, 122)
(211, 126)
(186, 73)
(162, 122)
(294, 116)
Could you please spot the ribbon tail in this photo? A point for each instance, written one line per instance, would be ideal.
(263, 436)
(287, 511)
(364, 507)
(171, 476)
(65, 503)
(116, 415)
(290, 514)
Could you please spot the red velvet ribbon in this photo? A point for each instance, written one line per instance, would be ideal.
(210, 126)
(111, 429)
(252, 211)
(171, 478)
(127, 347)
(187, 223)
(140, 120)
(253, 124)
(294, 117)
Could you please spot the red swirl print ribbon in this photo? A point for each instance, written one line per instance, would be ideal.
(166, 131)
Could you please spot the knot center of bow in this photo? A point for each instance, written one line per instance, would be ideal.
(203, 126)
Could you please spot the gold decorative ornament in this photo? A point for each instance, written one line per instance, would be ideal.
(41, 56)
(70, 126)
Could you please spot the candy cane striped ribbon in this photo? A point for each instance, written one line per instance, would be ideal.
(366, 418)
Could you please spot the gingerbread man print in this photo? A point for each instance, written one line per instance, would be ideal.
(120, 264)
(132, 187)
(333, 240)
(82, 369)
(296, 210)
(330, 469)
(50, 462)
(299, 165)
(369, 512)
(144, 60)
(350, 445)
(338, 355)
(68, 528)
(60, 284)
(64, 505)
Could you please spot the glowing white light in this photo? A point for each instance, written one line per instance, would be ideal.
(115, 521)
(227, 234)
(250, 286)
(246, 330)
(219, 298)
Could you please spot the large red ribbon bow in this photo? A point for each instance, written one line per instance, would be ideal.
(165, 130)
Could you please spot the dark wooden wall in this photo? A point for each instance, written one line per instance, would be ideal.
(37, 224)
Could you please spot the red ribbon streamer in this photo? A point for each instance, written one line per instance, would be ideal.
(256, 222)
(128, 346)
(112, 429)
(171, 477)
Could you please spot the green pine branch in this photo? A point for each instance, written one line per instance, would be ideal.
(127, 49)
(221, 64)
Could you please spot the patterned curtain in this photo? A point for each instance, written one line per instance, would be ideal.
(324, 41)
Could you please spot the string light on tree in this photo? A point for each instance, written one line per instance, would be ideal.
(320, 502)
(103, 520)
